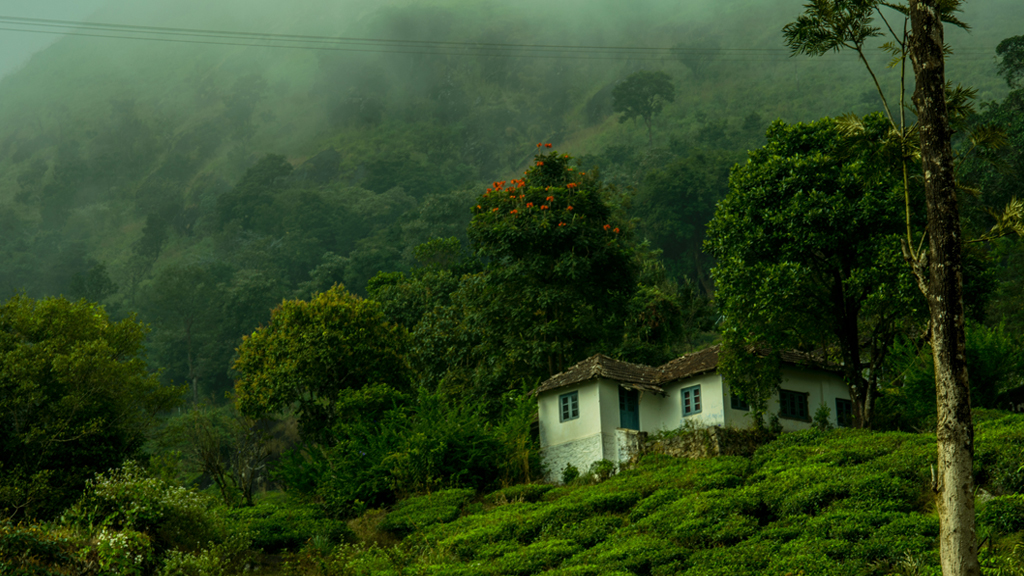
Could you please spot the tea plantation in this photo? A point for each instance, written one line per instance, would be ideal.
(837, 502)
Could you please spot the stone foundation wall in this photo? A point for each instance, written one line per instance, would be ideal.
(580, 453)
(705, 442)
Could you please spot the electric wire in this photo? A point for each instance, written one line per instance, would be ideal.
(401, 46)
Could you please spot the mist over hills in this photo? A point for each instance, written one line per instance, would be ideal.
(119, 155)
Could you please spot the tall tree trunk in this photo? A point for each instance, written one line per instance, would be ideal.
(955, 484)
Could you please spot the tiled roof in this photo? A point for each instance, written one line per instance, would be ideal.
(690, 365)
(649, 378)
(601, 366)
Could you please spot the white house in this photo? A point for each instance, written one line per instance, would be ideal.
(593, 410)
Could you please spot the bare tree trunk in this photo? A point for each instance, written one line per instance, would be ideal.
(955, 483)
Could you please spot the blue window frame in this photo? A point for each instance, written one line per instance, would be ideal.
(692, 401)
(844, 412)
(569, 406)
(629, 409)
(793, 405)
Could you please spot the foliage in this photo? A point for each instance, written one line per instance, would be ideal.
(75, 397)
(312, 353)
(558, 274)
(434, 446)
(643, 95)
(1005, 514)
(286, 526)
(418, 512)
(807, 247)
(127, 499)
(36, 550)
(824, 502)
(1011, 63)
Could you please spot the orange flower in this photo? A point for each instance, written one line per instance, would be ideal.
(550, 198)
(607, 226)
(568, 207)
(548, 145)
(546, 188)
(494, 209)
(521, 196)
(540, 163)
(488, 189)
(512, 197)
(528, 205)
(566, 156)
(616, 230)
(543, 206)
(560, 224)
(514, 212)
(478, 207)
(538, 144)
(570, 185)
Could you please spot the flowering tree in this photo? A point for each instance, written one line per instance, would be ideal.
(558, 275)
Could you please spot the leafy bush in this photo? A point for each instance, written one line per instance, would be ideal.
(35, 550)
(997, 455)
(537, 557)
(274, 528)
(422, 511)
(1005, 514)
(570, 473)
(127, 499)
(519, 493)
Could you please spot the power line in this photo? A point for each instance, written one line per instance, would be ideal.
(391, 46)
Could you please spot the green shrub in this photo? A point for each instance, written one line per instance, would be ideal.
(1004, 514)
(997, 455)
(275, 528)
(421, 511)
(123, 552)
(34, 550)
(601, 470)
(635, 553)
(228, 556)
(587, 533)
(537, 557)
(570, 473)
(519, 493)
(127, 499)
(654, 502)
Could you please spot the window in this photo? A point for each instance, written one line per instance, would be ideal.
(737, 403)
(569, 406)
(793, 405)
(691, 400)
(844, 412)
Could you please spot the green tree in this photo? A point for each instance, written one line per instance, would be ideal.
(807, 248)
(315, 354)
(75, 399)
(558, 273)
(643, 95)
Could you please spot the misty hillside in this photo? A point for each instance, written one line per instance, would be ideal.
(124, 161)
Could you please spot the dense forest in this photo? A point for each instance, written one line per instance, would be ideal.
(277, 280)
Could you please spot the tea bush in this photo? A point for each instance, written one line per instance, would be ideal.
(421, 511)
(1004, 514)
(275, 528)
(998, 456)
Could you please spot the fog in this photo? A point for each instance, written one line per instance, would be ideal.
(134, 144)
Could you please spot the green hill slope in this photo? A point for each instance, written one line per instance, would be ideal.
(838, 502)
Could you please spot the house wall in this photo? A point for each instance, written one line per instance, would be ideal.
(817, 384)
(584, 440)
(712, 407)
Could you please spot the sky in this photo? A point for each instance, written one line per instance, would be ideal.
(17, 47)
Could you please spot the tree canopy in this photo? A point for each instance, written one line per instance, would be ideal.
(643, 95)
(316, 353)
(75, 399)
(807, 242)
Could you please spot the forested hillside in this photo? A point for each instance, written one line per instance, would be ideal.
(129, 165)
(277, 279)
